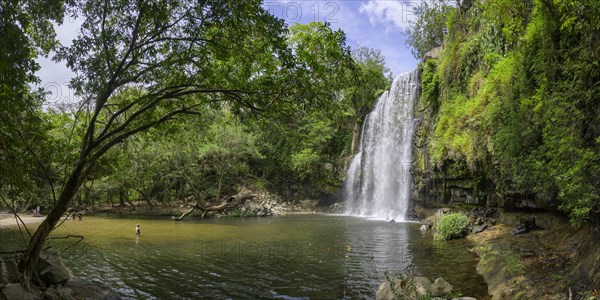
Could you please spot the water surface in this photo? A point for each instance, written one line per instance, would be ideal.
(288, 257)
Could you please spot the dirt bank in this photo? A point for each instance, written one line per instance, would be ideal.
(260, 206)
(8, 219)
(555, 262)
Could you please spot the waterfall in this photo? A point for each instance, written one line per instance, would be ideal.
(378, 179)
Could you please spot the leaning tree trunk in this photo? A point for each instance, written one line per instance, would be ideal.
(32, 253)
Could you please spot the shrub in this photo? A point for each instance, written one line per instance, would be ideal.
(451, 226)
(239, 213)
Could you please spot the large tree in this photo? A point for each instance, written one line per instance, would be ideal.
(27, 32)
(143, 63)
(429, 29)
(370, 79)
(297, 141)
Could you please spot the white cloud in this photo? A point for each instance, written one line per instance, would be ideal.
(360, 31)
(55, 76)
(395, 15)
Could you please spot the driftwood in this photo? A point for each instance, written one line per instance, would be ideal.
(228, 203)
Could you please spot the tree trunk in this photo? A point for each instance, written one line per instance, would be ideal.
(121, 198)
(26, 204)
(91, 195)
(185, 214)
(32, 253)
(149, 202)
(230, 202)
(130, 203)
(145, 196)
(219, 187)
(355, 137)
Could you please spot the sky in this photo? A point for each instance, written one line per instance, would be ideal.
(377, 24)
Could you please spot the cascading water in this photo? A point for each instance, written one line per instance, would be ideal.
(378, 179)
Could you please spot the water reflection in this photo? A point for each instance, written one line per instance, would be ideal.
(292, 257)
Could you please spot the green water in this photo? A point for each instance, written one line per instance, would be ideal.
(291, 257)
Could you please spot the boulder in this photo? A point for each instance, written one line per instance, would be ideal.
(440, 287)
(58, 293)
(91, 290)
(433, 53)
(15, 291)
(442, 211)
(403, 286)
(417, 287)
(335, 208)
(51, 268)
(478, 229)
(420, 285)
(9, 271)
(525, 226)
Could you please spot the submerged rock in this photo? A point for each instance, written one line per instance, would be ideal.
(417, 287)
(412, 287)
(91, 290)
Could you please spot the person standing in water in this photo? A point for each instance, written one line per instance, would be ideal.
(137, 230)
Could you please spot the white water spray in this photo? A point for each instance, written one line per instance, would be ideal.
(378, 180)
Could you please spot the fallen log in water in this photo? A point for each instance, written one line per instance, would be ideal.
(228, 203)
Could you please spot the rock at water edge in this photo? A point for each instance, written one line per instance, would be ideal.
(15, 291)
(440, 287)
(91, 290)
(52, 269)
(9, 271)
(58, 293)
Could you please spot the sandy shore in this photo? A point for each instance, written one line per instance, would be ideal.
(8, 219)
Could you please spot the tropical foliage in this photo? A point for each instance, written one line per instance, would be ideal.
(517, 90)
(176, 99)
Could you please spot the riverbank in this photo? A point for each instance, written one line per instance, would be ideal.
(554, 260)
(261, 204)
(8, 219)
(57, 282)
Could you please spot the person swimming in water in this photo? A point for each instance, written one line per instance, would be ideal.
(137, 230)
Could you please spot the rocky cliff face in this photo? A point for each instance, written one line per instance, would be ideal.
(434, 185)
(454, 182)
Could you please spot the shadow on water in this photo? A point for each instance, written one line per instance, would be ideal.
(292, 257)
